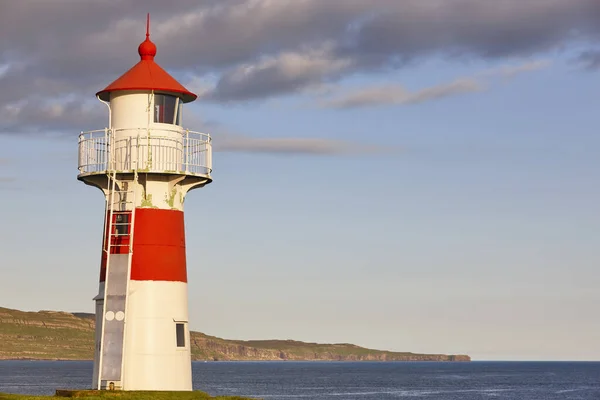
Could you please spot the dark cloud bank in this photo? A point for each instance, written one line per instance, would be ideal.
(60, 52)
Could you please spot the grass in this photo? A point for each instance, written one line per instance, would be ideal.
(126, 395)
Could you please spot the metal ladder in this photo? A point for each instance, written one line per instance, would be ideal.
(119, 221)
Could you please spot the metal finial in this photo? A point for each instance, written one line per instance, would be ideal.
(148, 26)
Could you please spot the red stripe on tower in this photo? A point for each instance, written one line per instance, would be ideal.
(158, 246)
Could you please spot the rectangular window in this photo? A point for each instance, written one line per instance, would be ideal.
(180, 333)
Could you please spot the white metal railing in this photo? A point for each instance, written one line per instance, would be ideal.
(165, 150)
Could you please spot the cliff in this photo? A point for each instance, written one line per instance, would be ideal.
(52, 335)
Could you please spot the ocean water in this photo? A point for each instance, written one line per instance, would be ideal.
(344, 380)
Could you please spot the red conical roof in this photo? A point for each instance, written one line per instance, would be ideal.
(147, 75)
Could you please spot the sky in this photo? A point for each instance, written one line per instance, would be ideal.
(405, 175)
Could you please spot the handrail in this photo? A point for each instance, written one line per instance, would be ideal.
(180, 151)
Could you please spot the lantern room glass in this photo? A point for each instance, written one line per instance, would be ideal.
(167, 109)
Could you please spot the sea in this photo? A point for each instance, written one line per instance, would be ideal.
(343, 380)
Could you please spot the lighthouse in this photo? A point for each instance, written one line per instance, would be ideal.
(145, 162)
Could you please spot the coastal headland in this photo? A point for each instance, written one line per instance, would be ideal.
(57, 335)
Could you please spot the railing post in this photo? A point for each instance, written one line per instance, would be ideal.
(137, 150)
(186, 150)
(208, 154)
(129, 153)
(79, 145)
(108, 149)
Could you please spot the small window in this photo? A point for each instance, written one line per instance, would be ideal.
(180, 333)
(165, 109)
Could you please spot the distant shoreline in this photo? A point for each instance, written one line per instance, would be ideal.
(62, 336)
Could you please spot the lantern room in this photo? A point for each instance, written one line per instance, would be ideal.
(146, 131)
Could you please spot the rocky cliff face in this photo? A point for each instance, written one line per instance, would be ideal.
(60, 335)
(45, 335)
(211, 348)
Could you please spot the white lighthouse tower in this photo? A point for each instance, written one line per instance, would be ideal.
(145, 163)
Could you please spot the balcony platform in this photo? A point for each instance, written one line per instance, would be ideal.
(164, 154)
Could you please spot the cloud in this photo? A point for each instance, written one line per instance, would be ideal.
(227, 141)
(46, 115)
(7, 183)
(314, 146)
(255, 49)
(590, 59)
(379, 95)
(272, 75)
(10, 184)
(510, 71)
(394, 94)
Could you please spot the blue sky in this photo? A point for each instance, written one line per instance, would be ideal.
(452, 209)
